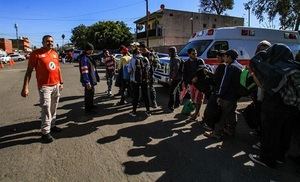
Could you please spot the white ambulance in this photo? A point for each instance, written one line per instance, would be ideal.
(243, 39)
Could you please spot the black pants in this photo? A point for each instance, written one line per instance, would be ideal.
(212, 112)
(173, 94)
(136, 94)
(276, 120)
(89, 98)
(124, 85)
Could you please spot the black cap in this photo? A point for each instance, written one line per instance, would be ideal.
(221, 52)
(173, 50)
(232, 53)
(88, 46)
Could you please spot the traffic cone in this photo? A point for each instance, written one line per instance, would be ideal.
(1, 65)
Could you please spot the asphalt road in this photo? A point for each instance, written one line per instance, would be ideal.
(112, 146)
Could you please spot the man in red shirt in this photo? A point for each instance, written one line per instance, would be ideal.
(45, 61)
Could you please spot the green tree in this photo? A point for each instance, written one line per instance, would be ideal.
(79, 35)
(287, 10)
(216, 6)
(103, 35)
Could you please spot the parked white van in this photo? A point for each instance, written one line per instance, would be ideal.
(243, 39)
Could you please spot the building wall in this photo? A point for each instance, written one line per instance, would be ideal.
(6, 45)
(179, 26)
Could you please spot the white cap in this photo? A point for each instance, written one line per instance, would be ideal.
(135, 44)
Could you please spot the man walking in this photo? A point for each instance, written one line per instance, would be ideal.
(110, 64)
(45, 61)
(139, 76)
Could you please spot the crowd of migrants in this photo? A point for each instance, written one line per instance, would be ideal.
(272, 80)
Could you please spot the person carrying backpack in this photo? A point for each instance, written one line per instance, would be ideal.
(138, 69)
(153, 60)
(176, 71)
(278, 74)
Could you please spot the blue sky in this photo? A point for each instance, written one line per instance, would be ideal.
(36, 18)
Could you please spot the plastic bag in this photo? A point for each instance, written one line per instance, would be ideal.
(188, 107)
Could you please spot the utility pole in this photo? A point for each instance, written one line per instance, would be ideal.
(147, 22)
(192, 24)
(248, 8)
(17, 35)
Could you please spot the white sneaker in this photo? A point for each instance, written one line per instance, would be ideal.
(109, 93)
(132, 114)
(257, 159)
(148, 113)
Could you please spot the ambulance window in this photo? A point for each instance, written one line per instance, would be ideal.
(217, 46)
(199, 45)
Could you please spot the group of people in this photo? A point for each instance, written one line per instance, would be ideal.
(276, 100)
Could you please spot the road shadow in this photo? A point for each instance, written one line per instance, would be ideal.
(178, 149)
(78, 122)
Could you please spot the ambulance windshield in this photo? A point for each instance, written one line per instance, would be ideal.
(199, 45)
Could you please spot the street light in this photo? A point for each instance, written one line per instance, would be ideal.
(63, 38)
(16, 27)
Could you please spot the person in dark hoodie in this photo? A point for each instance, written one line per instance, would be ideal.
(88, 76)
(175, 78)
(228, 96)
(279, 75)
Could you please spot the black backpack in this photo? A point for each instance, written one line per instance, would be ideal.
(141, 73)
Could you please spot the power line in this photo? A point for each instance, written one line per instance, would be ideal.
(63, 18)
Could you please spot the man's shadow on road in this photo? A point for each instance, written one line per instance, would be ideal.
(78, 121)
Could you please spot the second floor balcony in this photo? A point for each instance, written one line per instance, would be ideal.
(151, 33)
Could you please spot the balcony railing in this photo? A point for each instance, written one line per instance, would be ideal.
(151, 33)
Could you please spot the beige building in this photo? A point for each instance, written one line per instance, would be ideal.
(169, 27)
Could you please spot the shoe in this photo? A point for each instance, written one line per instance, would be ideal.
(256, 146)
(154, 105)
(55, 129)
(120, 103)
(118, 94)
(206, 127)
(211, 134)
(94, 107)
(228, 132)
(109, 93)
(132, 114)
(170, 109)
(257, 159)
(279, 161)
(47, 138)
(90, 112)
(148, 114)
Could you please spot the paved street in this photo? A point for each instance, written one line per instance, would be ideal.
(112, 146)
